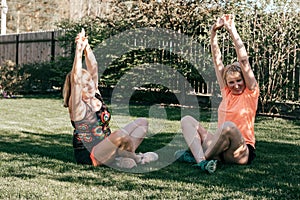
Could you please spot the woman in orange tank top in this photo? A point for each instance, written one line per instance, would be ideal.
(234, 140)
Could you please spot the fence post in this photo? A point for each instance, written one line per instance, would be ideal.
(4, 10)
(17, 48)
(297, 98)
(52, 46)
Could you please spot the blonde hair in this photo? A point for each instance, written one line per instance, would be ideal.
(67, 90)
(232, 68)
(67, 87)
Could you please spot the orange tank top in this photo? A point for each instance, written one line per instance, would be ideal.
(241, 110)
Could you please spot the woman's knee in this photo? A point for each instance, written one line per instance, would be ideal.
(141, 121)
(237, 154)
(188, 121)
(229, 127)
(120, 139)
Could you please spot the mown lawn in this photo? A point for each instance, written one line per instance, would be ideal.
(36, 159)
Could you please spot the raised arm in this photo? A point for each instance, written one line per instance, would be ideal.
(216, 53)
(77, 106)
(91, 63)
(241, 52)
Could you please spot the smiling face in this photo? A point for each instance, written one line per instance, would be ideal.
(233, 78)
(235, 82)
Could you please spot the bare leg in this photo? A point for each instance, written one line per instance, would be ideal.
(123, 142)
(137, 131)
(117, 143)
(192, 134)
(229, 141)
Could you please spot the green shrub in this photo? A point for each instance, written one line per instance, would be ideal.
(47, 76)
(35, 77)
(12, 78)
(270, 34)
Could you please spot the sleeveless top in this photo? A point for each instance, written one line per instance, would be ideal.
(240, 109)
(92, 129)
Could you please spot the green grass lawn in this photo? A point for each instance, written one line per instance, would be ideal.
(36, 159)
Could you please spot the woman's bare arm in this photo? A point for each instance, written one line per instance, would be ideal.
(91, 63)
(241, 52)
(77, 107)
(216, 53)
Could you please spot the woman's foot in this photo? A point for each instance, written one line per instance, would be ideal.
(147, 157)
(209, 166)
(184, 156)
(125, 163)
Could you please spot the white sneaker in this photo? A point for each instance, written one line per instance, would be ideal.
(148, 157)
(126, 163)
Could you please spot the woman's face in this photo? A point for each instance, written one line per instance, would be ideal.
(88, 87)
(235, 83)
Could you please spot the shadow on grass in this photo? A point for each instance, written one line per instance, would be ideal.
(162, 111)
(274, 173)
(55, 146)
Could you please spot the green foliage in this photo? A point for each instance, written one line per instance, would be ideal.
(34, 77)
(40, 74)
(12, 78)
(275, 56)
(271, 37)
(144, 14)
(37, 161)
(47, 76)
(59, 69)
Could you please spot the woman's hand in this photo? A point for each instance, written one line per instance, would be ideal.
(228, 20)
(218, 25)
(81, 40)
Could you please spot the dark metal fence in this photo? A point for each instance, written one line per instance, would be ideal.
(44, 46)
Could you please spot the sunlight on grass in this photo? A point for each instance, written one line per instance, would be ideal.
(36, 158)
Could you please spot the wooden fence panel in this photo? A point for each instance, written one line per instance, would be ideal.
(8, 48)
(31, 47)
